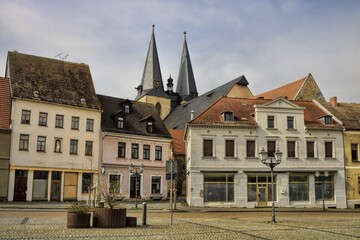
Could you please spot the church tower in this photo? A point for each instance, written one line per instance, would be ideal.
(151, 89)
(186, 86)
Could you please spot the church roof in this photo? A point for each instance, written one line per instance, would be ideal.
(51, 80)
(186, 86)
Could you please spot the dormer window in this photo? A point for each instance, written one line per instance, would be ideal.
(228, 116)
(150, 127)
(127, 108)
(120, 122)
(328, 120)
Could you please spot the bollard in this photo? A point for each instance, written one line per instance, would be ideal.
(144, 214)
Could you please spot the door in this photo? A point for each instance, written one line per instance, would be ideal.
(55, 186)
(262, 195)
(70, 186)
(20, 185)
(135, 184)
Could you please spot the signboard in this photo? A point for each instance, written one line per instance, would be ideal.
(168, 169)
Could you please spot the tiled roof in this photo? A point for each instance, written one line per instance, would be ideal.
(5, 102)
(134, 120)
(51, 80)
(349, 114)
(289, 90)
(182, 114)
(178, 141)
(243, 110)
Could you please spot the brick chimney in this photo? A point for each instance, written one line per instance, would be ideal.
(333, 101)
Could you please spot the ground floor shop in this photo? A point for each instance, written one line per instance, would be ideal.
(255, 189)
(41, 184)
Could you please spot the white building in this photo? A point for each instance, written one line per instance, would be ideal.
(222, 153)
(55, 119)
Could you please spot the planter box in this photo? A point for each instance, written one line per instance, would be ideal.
(131, 221)
(109, 218)
(78, 220)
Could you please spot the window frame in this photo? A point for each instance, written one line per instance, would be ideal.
(146, 151)
(75, 122)
(269, 151)
(328, 143)
(247, 148)
(313, 149)
(151, 184)
(150, 126)
(294, 181)
(121, 149)
(354, 151)
(41, 144)
(120, 122)
(294, 150)
(158, 153)
(229, 153)
(59, 121)
(25, 116)
(119, 178)
(328, 120)
(43, 116)
(89, 125)
(135, 151)
(290, 120)
(228, 116)
(208, 147)
(74, 146)
(24, 143)
(89, 184)
(88, 148)
(271, 122)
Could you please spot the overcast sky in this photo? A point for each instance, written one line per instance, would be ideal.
(270, 42)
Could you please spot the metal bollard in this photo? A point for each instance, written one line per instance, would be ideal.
(144, 214)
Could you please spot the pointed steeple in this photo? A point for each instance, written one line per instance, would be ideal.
(186, 86)
(151, 78)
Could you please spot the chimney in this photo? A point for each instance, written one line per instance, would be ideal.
(333, 101)
(192, 115)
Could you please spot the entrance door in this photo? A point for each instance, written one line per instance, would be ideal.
(20, 185)
(262, 196)
(70, 186)
(55, 186)
(135, 183)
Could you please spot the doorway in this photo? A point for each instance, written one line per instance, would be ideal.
(55, 186)
(70, 186)
(135, 185)
(20, 185)
(262, 196)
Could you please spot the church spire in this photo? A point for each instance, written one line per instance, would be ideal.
(186, 86)
(151, 78)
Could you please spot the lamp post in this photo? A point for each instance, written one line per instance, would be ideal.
(323, 176)
(271, 162)
(136, 172)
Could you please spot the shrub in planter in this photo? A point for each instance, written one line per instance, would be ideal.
(78, 216)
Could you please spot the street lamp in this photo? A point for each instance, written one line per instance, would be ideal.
(268, 161)
(323, 176)
(136, 172)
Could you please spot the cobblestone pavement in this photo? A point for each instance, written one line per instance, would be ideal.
(190, 225)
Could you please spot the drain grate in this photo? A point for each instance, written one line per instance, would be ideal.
(24, 221)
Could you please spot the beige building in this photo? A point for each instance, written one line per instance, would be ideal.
(55, 119)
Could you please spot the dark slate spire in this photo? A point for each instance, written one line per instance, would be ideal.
(186, 86)
(151, 77)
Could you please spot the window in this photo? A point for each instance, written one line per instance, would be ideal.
(228, 116)
(291, 145)
(75, 123)
(290, 123)
(158, 152)
(43, 119)
(41, 141)
(87, 179)
(298, 188)
(146, 152)
(58, 145)
(250, 148)
(208, 148)
(150, 127)
(310, 149)
(88, 148)
(218, 187)
(135, 150)
(120, 122)
(259, 188)
(59, 121)
(354, 152)
(114, 183)
(328, 149)
(229, 148)
(73, 146)
(40, 185)
(271, 121)
(127, 109)
(156, 184)
(89, 125)
(24, 142)
(271, 148)
(25, 117)
(328, 120)
(325, 184)
(121, 149)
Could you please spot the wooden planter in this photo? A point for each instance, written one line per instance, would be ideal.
(78, 220)
(109, 218)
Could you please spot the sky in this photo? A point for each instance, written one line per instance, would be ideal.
(270, 42)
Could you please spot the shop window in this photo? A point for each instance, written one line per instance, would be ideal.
(299, 188)
(219, 187)
(324, 184)
(87, 181)
(40, 185)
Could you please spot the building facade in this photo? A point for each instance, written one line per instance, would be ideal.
(223, 164)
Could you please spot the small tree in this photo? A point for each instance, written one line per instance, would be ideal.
(110, 192)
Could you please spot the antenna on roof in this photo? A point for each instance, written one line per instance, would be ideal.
(61, 57)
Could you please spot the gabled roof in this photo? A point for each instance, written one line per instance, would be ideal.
(289, 90)
(349, 114)
(51, 80)
(5, 103)
(182, 114)
(133, 121)
(186, 86)
(178, 141)
(244, 108)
